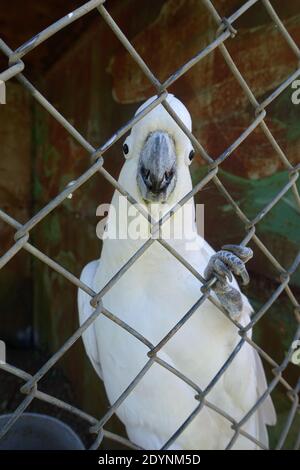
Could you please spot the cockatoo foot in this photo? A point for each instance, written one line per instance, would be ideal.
(231, 259)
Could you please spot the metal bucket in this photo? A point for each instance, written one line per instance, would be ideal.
(34, 431)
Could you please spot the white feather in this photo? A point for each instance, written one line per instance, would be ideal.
(85, 310)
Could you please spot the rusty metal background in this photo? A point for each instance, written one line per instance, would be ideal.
(224, 30)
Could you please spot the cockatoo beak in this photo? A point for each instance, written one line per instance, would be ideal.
(156, 175)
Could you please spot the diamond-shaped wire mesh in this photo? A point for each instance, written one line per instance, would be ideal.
(224, 30)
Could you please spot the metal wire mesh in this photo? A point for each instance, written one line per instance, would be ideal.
(224, 30)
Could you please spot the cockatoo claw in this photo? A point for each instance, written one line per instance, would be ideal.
(230, 260)
(243, 252)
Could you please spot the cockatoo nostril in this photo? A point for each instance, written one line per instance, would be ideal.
(169, 175)
(146, 177)
(145, 173)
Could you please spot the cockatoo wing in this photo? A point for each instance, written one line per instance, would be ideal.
(266, 414)
(85, 310)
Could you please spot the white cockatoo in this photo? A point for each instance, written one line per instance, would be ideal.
(157, 291)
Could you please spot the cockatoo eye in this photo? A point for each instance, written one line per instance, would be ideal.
(191, 155)
(125, 149)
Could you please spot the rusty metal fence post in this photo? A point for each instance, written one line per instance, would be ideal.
(224, 30)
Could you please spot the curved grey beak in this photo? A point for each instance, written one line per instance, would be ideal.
(156, 176)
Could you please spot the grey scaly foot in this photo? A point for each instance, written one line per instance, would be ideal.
(231, 259)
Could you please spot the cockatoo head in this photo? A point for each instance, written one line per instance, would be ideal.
(158, 154)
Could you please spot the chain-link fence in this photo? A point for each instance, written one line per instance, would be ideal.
(224, 30)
